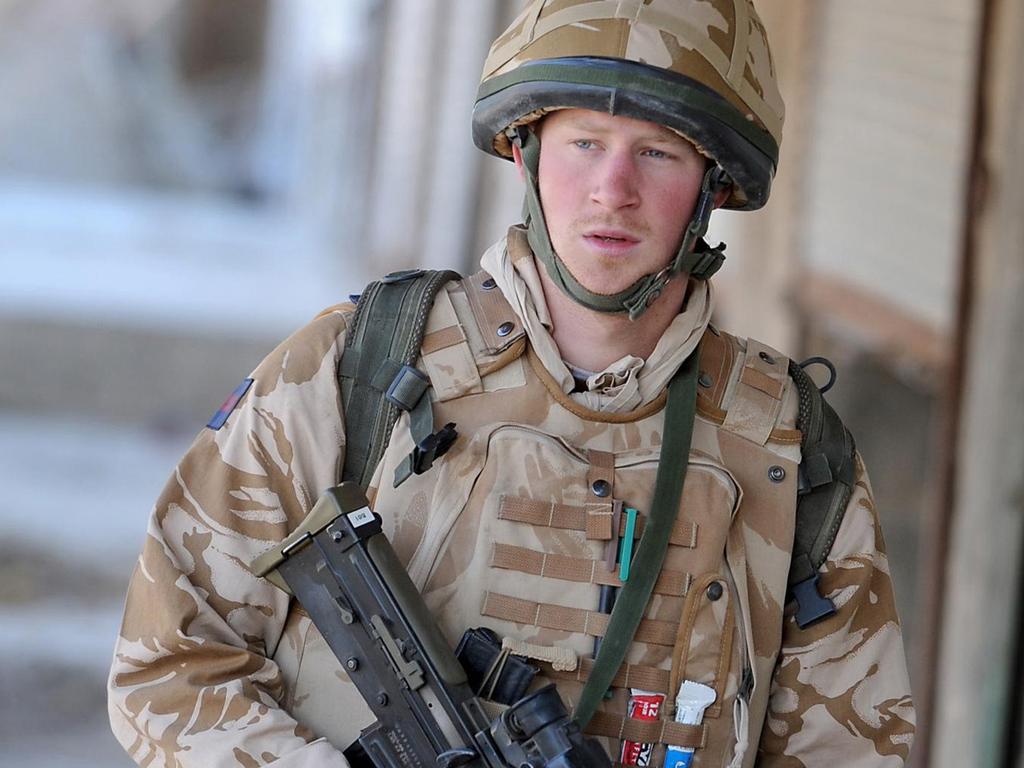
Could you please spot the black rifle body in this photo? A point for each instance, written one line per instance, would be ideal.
(347, 576)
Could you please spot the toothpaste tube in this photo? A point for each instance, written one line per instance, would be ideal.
(643, 705)
(691, 702)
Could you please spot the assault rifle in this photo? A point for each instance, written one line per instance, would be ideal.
(345, 573)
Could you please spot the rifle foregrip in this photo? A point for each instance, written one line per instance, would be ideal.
(411, 604)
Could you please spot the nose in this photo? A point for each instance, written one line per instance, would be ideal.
(616, 183)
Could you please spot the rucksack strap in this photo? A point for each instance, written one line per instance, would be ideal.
(378, 379)
(631, 602)
(826, 483)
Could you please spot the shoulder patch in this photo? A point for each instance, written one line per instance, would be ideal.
(221, 416)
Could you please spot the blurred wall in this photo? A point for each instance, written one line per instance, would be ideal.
(178, 183)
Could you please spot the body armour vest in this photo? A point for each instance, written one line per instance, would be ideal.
(517, 528)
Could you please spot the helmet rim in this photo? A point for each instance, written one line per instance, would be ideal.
(747, 152)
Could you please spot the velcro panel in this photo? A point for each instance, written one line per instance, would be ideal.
(579, 569)
(757, 398)
(647, 731)
(579, 620)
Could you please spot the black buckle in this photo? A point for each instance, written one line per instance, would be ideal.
(708, 262)
(432, 447)
(401, 385)
(810, 605)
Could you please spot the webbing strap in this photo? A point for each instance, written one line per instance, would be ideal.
(647, 731)
(668, 487)
(640, 676)
(578, 518)
(578, 569)
(385, 335)
(569, 619)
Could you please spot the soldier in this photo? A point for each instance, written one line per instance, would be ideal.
(629, 123)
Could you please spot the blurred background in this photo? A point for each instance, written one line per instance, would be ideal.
(183, 183)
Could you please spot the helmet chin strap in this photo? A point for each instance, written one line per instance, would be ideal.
(698, 262)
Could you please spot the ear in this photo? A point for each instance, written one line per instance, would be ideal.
(517, 158)
(722, 196)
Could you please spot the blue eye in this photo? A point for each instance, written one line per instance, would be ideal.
(583, 144)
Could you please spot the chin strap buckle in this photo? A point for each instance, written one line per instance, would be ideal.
(702, 264)
(695, 257)
(638, 303)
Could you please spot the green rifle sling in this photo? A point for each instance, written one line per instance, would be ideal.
(650, 554)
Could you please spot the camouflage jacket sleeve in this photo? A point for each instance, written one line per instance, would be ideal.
(841, 694)
(192, 681)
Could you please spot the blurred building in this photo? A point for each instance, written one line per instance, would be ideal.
(182, 183)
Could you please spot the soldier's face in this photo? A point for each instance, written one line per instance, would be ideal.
(617, 194)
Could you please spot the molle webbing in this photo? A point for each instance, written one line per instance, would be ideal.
(383, 340)
(826, 483)
(593, 522)
(578, 569)
(640, 676)
(568, 619)
(647, 731)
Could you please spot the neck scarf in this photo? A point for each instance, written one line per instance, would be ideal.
(629, 382)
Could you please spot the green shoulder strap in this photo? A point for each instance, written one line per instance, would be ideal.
(378, 379)
(650, 554)
(826, 483)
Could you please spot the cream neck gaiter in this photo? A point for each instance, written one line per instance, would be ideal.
(627, 383)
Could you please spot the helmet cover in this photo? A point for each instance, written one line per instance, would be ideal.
(699, 67)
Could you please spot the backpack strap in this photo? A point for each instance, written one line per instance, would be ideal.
(826, 483)
(378, 379)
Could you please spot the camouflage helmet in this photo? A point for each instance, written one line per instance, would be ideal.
(700, 67)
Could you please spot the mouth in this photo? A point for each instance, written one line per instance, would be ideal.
(611, 237)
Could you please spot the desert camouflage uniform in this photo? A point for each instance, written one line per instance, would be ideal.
(215, 667)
